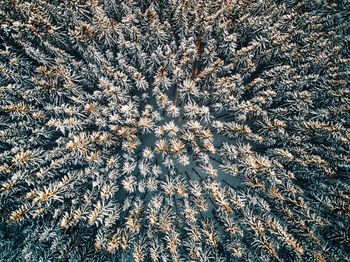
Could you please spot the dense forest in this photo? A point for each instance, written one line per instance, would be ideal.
(174, 130)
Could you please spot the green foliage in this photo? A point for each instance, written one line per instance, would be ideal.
(174, 130)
